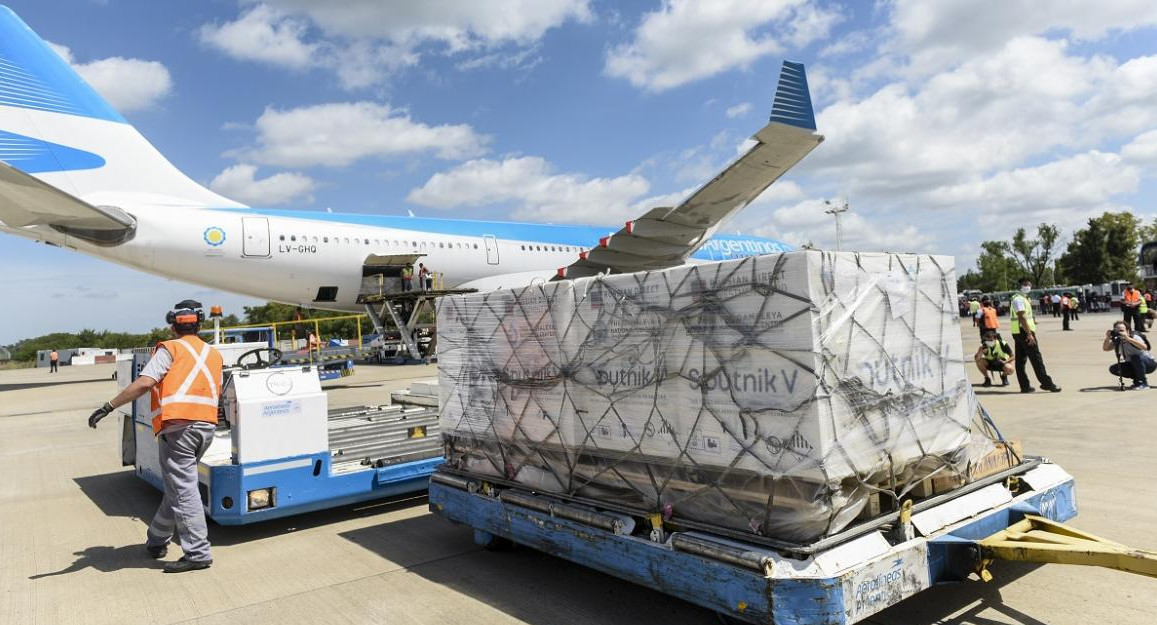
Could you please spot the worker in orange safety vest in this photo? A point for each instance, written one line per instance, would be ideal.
(184, 379)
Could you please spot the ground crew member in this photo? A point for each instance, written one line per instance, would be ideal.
(987, 317)
(994, 356)
(184, 377)
(423, 277)
(1075, 306)
(1066, 312)
(973, 309)
(53, 361)
(1143, 315)
(1024, 337)
(407, 277)
(1130, 308)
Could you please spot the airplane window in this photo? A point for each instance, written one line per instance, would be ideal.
(315, 239)
(475, 246)
(347, 239)
(282, 237)
(293, 238)
(367, 241)
(523, 247)
(325, 239)
(440, 245)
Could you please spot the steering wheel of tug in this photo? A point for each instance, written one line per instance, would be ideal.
(272, 357)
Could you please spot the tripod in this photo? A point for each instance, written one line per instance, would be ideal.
(1120, 364)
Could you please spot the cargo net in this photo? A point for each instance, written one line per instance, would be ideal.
(773, 395)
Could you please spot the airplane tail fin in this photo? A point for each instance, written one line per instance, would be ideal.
(58, 129)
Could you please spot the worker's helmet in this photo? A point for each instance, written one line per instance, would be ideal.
(186, 316)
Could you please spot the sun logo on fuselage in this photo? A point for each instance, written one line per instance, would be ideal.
(214, 236)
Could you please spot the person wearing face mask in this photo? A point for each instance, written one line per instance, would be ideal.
(994, 356)
(1024, 337)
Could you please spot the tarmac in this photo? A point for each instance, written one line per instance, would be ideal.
(72, 521)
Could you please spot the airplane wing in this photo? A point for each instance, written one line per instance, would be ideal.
(666, 237)
(26, 201)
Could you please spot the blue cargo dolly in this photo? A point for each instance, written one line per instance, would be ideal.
(839, 580)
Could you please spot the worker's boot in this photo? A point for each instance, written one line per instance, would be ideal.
(157, 553)
(183, 565)
(1004, 379)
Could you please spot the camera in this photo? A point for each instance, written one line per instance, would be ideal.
(1116, 336)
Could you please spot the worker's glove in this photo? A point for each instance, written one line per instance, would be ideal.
(99, 414)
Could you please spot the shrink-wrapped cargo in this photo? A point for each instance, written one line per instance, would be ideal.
(770, 395)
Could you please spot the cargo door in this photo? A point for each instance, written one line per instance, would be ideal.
(255, 236)
(491, 248)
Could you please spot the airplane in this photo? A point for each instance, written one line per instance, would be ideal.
(75, 174)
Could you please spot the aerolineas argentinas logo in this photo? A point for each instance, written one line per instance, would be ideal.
(214, 236)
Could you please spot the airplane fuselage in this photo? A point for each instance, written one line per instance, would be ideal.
(315, 259)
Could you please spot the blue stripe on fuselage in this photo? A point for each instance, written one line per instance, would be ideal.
(582, 236)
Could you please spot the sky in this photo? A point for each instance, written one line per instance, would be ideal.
(947, 122)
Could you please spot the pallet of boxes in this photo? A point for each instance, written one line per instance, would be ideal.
(778, 397)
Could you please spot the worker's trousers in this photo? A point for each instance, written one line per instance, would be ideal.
(1030, 353)
(181, 511)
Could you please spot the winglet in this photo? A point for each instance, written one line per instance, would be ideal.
(793, 103)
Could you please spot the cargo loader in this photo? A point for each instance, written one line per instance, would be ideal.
(279, 450)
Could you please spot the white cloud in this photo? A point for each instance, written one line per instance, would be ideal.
(364, 41)
(239, 182)
(739, 110)
(686, 40)
(936, 34)
(989, 114)
(1082, 181)
(458, 23)
(126, 84)
(338, 134)
(534, 191)
(264, 35)
(1142, 150)
(806, 222)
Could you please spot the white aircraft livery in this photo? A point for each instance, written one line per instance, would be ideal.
(75, 174)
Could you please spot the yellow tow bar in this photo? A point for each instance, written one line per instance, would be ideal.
(1037, 539)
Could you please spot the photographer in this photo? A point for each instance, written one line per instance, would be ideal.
(1134, 359)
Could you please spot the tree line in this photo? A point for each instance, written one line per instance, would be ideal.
(1104, 250)
(269, 312)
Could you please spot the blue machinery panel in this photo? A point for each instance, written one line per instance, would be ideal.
(728, 589)
(305, 484)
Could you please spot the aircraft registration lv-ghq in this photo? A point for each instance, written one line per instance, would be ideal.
(75, 174)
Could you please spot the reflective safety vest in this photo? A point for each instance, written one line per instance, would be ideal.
(996, 352)
(1143, 307)
(191, 388)
(1132, 296)
(1015, 324)
(989, 320)
(973, 306)
(1074, 303)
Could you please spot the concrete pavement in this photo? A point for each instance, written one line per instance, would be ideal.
(72, 521)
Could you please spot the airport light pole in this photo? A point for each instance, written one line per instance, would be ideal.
(835, 211)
